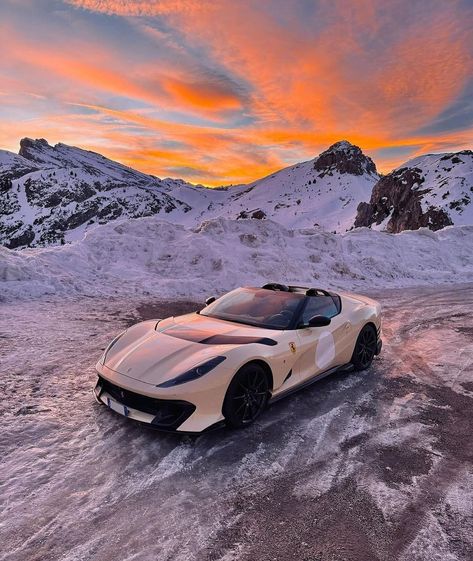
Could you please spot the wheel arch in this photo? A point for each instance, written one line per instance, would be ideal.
(265, 367)
(371, 324)
(355, 338)
(227, 406)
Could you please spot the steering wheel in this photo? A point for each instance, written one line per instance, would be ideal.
(282, 318)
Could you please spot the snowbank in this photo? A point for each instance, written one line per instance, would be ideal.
(151, 257)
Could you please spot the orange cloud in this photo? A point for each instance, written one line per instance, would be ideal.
(85, 65)
(274, 82)
(202, 95)
(330, 79)
(140, 7)
(98, 69)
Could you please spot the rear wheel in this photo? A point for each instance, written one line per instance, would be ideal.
(365, 348)
(247, 396)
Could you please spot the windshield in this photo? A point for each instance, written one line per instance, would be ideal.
(256, 306)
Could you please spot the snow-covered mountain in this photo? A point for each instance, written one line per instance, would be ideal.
(322, 192)
(435, 190)
(53, 194)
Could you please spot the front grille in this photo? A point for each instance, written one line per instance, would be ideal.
(168, 413)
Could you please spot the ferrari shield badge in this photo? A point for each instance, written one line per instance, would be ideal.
(292, 346)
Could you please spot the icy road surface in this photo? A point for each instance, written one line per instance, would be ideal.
(360, 467)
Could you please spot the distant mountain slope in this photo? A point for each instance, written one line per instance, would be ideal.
(53, 194)
(322, 192)
(435, 190)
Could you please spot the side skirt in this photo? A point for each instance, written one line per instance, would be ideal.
(344, 368)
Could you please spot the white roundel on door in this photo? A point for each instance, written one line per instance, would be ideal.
(325, 350)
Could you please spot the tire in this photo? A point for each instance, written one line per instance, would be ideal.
(247, 396)
(365, 348)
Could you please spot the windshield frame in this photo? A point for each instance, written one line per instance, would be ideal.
(291, 326)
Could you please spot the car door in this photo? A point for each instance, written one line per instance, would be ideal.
(320, 347)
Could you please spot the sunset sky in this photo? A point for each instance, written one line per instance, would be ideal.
(227, 91)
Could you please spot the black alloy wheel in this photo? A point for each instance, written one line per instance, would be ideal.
(247, 396)
(365, 348)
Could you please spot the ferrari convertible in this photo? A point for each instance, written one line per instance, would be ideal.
(225, 363)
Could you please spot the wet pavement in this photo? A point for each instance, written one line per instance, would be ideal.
(359, 467)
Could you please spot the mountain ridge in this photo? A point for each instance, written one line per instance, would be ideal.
(53, 194)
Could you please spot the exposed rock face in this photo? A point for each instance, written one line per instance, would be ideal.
(32, 149)
(431, 191)
(398, 196)
(344, 157)
(22, 239)
(257, 214)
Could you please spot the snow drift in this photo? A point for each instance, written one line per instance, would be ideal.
(155, 258)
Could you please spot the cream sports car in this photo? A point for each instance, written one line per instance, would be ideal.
(225, 363)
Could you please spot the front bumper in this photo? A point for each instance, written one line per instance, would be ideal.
(164, 414)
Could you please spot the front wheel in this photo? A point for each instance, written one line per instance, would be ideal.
(365, 348)
(247, 396)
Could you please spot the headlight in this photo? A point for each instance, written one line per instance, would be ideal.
(193, 373)
(104, 356)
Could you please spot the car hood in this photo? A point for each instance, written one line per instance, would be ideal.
(155, 352)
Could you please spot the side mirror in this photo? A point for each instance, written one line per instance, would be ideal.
(319, 321)
(209, 300)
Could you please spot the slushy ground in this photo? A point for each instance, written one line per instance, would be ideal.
(359, 467)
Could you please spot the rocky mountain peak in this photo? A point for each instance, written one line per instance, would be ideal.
(343, 146)
(397, 201)
(433, 191)
(344, 157)
(31, 148)
(41, 152)
(64, 156)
